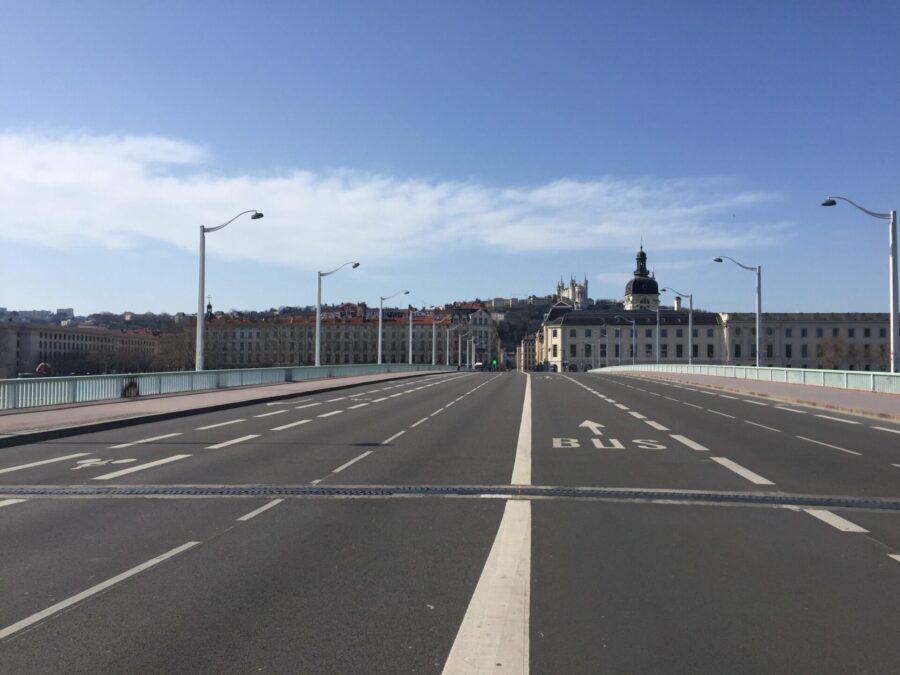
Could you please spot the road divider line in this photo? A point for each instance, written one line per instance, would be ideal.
(379, 400)
(894, 556)
(656, 425)
(265, 507)
(621, 406)
(307, 405)
(835, 520)
(93, 590)
(352, 461)
(893, 431)
(358, 405)
(413, 426)
(733, 398)
(221, 424)
(829, 445)
(42, 462)
(269, 414)
(742, 471)
(637, 415)
(144, 440)
(837, 419)
(693, 405)
(339, 398)
(140, 467)
(747, 400)
(394, 437)
(329, 414)
(521, 474)
(291, 425)
(671, 398)
(716, 412)
(693, 445)
(437, 412)
(233, 441)
(763, 426)
(494, 634)
(10, 502)
(793, 410)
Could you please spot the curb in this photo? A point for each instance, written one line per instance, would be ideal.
(62, 432)
(781, 399)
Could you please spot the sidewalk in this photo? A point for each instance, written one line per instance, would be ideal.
(34, 424)
(883, 406)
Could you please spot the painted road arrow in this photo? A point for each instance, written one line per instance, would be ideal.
(593, 426)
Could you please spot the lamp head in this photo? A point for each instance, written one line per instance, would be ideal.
(405, 292)
(717, 260)
(256, 216)
(829, 202)
(355, 265)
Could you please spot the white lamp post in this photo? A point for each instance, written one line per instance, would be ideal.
(690, 297)
(758, 270)
(410, 333)
(459, 339)
(892, 277)
(381, 300)
(198, 351)
(319, 305)
(633, 336)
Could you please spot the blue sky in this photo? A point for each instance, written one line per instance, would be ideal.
(458, 149)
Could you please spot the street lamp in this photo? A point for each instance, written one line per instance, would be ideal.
(381, 300)
(198, 352)
(410, 333)
(893, 297)
(447, 335)
(690, 324)
(633, 335)
(459, 339)
(758, 270)
(319, 305)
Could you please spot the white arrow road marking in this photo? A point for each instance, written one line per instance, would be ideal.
(593, 426)
(521, 474)
(43, 461)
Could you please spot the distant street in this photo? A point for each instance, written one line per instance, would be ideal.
(246, 546)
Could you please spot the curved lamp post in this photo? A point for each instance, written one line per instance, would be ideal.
(201, 321)
(690, 297)
(319, 305)
(381, 300)
(633, 323)
(892, 277)
(758, 270)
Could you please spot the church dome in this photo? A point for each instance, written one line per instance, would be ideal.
(642, 286)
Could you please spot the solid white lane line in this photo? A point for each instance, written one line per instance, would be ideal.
(93, 590)
(288, 426)
(329, 414)
(394, 437)
(835, 520)
(265, 507)
(693, 445)
(42, 462)
(339, 398)
(10, 502)
(269, 414)
(413, 426)
(757, 424)
(693, 405)
(493, 636)
(747, 400)
(358, 405)
(794, 410)
(521, 474)
(220, 424)
(716, 412)
(741, 471)
(829, 445)
(379, 400)
(621, 406)
(140, 467)
(893, 431)
(352, 461)
(144, 440)
(307, 405)
(656, 425)
(637, 415)
(837, 419)
(231, 442)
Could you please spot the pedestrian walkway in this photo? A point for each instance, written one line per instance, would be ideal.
(33, 423)
(885, 406)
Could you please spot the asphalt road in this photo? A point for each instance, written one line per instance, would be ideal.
(374, 530)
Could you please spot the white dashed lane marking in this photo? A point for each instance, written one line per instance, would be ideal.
(289, 426)
(763, 426)
(835, 520)
(233, 441)
(144, 440)
(329, 414)
(742, 471)
(829, 445)
(837, 419)
(693, 445)
(716, 412)
(221, 424)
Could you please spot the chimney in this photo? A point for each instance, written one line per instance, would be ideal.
(677, 303)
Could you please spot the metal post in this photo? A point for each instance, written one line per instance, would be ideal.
(198, 348)
(895, 340)
(657, 334)
(690, 329)
(410, 334)
(380, 312)
(758, 311)
(633, 342)
(433, 340)
(318, 315)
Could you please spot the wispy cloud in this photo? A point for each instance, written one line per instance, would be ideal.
(114, 191)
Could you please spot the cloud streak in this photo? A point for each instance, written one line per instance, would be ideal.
(116, 191)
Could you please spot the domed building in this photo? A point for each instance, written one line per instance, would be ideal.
(642, 292)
